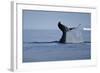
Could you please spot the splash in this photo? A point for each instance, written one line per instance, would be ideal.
(74, 36)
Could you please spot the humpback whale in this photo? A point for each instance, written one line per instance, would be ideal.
(64, 30)
(69, 35)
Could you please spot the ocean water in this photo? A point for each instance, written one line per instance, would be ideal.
(42, 45)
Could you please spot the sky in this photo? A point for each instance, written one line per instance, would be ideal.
(41, 20)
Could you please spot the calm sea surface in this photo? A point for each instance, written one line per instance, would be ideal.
(35, 48)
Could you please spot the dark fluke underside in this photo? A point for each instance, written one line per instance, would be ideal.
(64, 30)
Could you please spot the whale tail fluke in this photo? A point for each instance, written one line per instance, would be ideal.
(64, 30)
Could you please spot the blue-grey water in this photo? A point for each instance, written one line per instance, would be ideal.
(38, 46)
